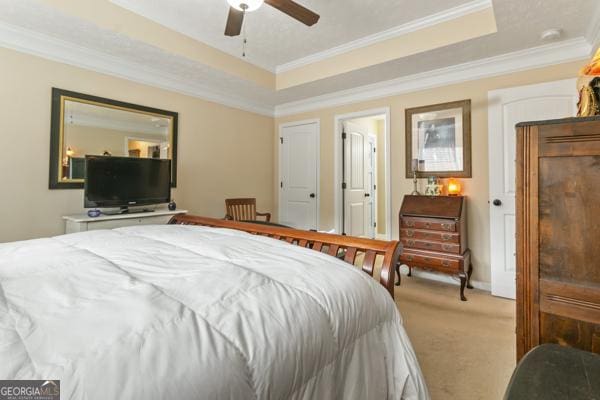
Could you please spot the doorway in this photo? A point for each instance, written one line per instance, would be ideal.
(507, 107)
(362, 174)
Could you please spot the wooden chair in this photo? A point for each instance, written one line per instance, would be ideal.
(243, 210)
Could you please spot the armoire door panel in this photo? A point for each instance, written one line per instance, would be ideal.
(569, 210)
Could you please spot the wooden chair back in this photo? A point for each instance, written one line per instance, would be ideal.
(243, 209)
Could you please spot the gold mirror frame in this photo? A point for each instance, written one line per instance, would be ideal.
(60, 96)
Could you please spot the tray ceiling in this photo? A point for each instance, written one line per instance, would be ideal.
(49, 29)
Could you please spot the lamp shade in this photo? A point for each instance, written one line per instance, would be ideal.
(245, 5)
(453, 187)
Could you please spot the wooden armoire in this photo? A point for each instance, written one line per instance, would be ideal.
(558, 234)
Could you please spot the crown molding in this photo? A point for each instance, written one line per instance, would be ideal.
(54, 49)
(412, 26)
(79, 119)
(536, 57)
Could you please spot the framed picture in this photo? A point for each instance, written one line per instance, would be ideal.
(439, 136)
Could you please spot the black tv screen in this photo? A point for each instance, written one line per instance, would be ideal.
(125, 181)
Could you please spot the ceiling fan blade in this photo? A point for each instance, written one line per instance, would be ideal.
(295, 10)
(234, 22)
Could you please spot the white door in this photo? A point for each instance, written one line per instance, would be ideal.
(357, 192)
(298, 168)
(507, 107)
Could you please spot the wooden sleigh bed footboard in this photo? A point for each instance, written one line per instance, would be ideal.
(348, 247)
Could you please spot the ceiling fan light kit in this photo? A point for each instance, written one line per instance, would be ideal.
(245, 5)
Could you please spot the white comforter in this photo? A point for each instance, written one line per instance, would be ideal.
(187, 312)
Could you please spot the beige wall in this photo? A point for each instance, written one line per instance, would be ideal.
(476, 188)
(223, 152)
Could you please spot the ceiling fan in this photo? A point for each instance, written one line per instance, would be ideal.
(238, 8)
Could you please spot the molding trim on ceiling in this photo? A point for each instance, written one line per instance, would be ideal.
(418, 24)
(536, 57)
(27, 41)
(593, 32)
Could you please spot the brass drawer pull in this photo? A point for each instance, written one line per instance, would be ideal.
(446, 247)
(409, 258)
(446, 227)
(427, 225)
(410, 242)
(445, 263)
(446, 236)
(410, 223)
(428, 244)
(410, 233)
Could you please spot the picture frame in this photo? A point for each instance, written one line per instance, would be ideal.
(439, 136)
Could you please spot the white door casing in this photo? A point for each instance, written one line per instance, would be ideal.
(338, 203)
(357, 200)
(299, 174)
(371, 182)
(507, 107)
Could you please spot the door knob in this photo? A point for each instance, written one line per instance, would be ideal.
(497, 202)
(312, 196)
(367, 195)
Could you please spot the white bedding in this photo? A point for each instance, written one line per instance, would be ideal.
(188, 312)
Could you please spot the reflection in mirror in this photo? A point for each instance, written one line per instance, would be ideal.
(92, 129)
(83, 125)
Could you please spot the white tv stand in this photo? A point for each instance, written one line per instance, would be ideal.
(82, 222)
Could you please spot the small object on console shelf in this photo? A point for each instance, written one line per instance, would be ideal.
(433, 231)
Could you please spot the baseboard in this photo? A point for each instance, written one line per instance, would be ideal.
(444, 278)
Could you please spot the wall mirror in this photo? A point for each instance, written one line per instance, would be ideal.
(89, 125)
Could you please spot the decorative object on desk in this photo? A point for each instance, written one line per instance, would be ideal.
(433, 188)
(588, 86)
(433, 232)
(172, 205)
(454, 187)
(415, 168)
(440, 135)
(94, 213)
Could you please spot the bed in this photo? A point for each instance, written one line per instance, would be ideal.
(193, 310)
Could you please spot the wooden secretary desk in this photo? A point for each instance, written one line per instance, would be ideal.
(433, 232)
(558, 234)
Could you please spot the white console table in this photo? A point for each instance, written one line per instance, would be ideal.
(82, 222)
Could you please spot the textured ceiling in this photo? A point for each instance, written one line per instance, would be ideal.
(273, 37)
(519, 22)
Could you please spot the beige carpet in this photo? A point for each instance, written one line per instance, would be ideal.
(466, 349)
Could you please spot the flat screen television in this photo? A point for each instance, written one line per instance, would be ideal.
(126, 181)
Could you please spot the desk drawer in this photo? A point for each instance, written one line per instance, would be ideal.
(436, 262)
(435, 224)
(431, 245)
(437, 236)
